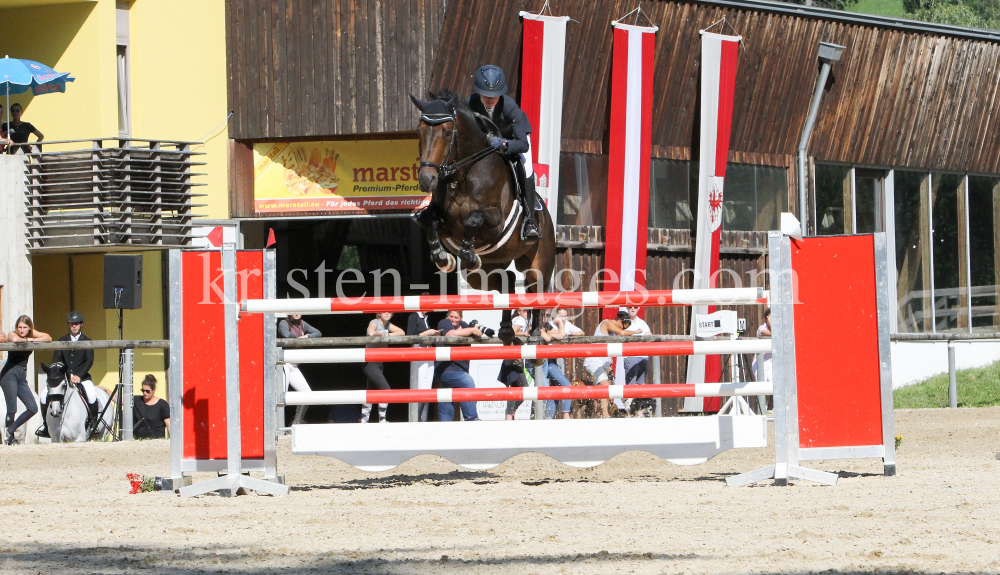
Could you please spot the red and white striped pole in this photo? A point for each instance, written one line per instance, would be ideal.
(358, 355)
(473, 302)
(448, 395)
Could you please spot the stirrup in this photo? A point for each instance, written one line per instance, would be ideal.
(43, 431)
(530, 233)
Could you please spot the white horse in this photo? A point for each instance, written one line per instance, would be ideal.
(25, 433)
(67, 411)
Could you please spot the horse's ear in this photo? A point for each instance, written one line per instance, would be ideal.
(420, 104)
(453, 103)
(45, 368)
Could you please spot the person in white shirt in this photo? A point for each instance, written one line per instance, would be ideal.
(519, 323)
(599, 367)
(635, 368)
(762, 372)
(569, 330)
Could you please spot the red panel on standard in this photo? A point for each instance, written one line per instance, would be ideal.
(250, 265)
(204, 386)
(836, 342)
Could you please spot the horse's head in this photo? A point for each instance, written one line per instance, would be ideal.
(55, 379)
(436, 135)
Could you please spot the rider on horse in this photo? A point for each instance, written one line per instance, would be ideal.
(489, 101)
(78, 363)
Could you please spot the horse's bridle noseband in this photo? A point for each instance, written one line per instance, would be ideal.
(446, 170)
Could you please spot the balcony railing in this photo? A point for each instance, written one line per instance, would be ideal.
(110, 193)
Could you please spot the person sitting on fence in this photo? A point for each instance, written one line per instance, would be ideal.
(456, 373)
(553, 329)
(78, 363)
(294, 327)
(378, 327)
(17, 130)
(150, 413)
(419, 324)
(14, 377)
(636, 368)
(569, 330)
(600, 367)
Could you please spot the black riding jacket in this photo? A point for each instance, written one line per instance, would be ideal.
(513, 123)
(78, 361)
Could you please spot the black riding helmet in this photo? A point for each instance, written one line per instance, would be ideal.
(489, 81)
(74, 317)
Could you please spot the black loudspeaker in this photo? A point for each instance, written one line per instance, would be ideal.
(123, 273)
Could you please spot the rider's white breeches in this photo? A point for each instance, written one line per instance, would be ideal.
(295, 379)
(526, 160)
(88, 386)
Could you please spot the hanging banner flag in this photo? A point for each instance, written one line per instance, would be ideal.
(542, 70)
(718, 82)
(628, 157)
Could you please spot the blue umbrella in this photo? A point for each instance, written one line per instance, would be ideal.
(18, 76)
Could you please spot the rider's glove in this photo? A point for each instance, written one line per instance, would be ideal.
(498, 142)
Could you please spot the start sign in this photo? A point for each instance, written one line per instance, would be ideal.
(717, 323)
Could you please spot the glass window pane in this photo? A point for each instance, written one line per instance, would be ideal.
(912, 252)
(772, 197)
(868, 201)
(833, 192)
(670, 194)
(583, 189)
(984, 197)
(739, 204)
(948, 304)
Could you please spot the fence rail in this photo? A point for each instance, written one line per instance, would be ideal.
(93, 344)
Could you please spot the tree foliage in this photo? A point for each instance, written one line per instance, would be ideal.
(971, 13)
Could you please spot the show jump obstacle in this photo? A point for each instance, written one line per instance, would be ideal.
(832, 379)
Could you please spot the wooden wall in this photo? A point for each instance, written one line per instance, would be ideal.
(323, 67)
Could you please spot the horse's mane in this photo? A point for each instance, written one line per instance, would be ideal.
(443, 96)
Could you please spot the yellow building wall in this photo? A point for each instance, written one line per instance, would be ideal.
(177, 69)
(52, 303)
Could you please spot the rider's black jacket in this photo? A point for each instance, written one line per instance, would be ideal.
(78, 361)
(513, 122)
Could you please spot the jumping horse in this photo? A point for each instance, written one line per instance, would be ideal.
(474, 216)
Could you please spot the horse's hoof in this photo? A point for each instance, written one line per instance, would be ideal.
(471, 260)
(449, 265)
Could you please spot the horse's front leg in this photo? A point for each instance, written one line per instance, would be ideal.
(430, 219)
(472, 224)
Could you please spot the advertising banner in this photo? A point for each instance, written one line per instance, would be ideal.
(367, 177)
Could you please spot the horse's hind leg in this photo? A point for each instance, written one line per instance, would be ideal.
(472, 224)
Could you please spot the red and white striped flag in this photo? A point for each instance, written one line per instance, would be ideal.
(628, 157)
(542, 71)
(718, 81)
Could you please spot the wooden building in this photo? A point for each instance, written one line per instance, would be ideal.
(907, 139)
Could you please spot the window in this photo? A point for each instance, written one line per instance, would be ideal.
(949, 301)
(124, 104)
(834, 186)
(754, 197)
(984, 210)
(912, 253)
(672, 184)
(583, 189)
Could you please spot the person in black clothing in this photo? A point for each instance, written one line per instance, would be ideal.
(14, 377)
(150, 413)
(490, 101)
(18, 131)
(419, 324)
(78, 363)
(4, 141)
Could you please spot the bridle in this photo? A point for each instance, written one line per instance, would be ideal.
(447, 170)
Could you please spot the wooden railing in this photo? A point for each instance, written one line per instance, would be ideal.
(108, 193)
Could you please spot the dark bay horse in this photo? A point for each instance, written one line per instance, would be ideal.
(474, 215)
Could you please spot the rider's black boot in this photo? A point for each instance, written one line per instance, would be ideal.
(529, 229)
(43, 431)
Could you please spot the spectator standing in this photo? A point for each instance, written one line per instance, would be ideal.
(456, 373)
(569, 330)
(18, 131)
(598, 367)
(419, 324)
(14, 377)
(294, 327)
(762, 372)
(150, 413)
(519, 323)
(636, 368)
(378, 327)
(78, 363)
(553, 329)
(4, 142)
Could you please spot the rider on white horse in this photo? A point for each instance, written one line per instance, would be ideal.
(490, 101)
(78, 363)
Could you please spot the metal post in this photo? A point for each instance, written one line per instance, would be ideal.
(127, 394)
(952, 383)
(657, 379)
(414, 384)
(540, 381)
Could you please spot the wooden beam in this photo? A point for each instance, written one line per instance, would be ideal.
(926, 237)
